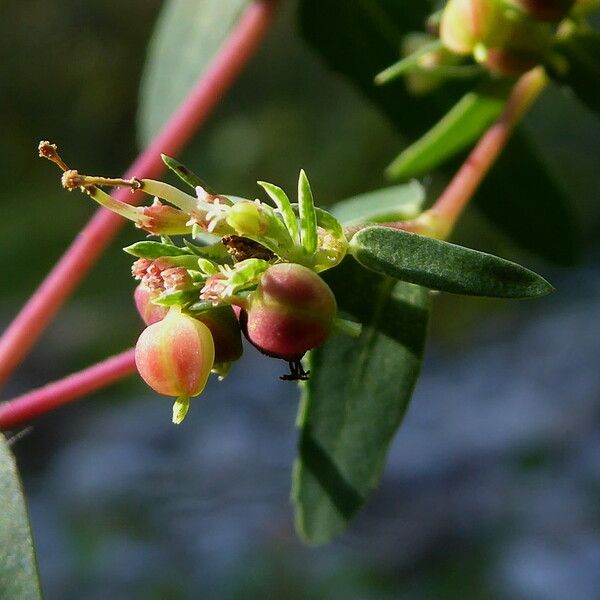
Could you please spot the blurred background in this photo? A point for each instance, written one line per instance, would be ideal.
(492, 489)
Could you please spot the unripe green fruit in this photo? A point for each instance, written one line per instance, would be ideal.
(175, 356)
(544, 10)
(292, 311)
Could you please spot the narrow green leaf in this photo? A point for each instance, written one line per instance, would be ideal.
(308, 217)
(328, 221)
(188, 34)
(407, 63)
(180, 298)
(394, 203)
(444, 266)
(152, 250)
(18, 569)
(460, 128)
(580, 52)
(185, 174)
(285, 208)
(355, 399)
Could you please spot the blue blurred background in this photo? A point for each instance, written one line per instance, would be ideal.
(492, 489)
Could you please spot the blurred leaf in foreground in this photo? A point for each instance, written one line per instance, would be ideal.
(18, 569)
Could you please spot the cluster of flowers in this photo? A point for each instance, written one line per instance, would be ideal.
(506, 37)
(245, 267)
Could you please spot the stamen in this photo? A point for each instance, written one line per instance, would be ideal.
(50, 151)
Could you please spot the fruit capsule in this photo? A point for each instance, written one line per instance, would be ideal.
(221, 321)
(291, 312)
(467, 23)
(174, 357)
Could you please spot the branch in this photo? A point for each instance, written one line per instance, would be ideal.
(22, 409)
(440, 219)
(82, 254)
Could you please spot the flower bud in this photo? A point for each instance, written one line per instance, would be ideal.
(544, 10)
(162, 219)
(175, 357)
(151, 313)
(247, 219)
(467, 23)
(291, 312)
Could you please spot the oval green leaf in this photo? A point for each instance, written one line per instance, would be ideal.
(18, 568)
(356, 398)
(444, 266)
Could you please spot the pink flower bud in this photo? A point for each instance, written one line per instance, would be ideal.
(291, 312)
(162, 219)
(175, 357)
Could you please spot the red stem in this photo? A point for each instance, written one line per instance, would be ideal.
(440, 219)
(84, 251)
(464, 184)
(36, 402)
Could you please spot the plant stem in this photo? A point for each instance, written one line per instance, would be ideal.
(441, 218)
(464, 184)
(22, 409)
(84, 251)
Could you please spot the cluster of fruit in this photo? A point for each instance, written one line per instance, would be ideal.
(245, 267)
(506, 36)
(291, 311)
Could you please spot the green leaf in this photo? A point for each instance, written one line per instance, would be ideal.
(580, 52)
(355, 399)
(152, 250)
(180, 298)
(187, 36)
(388, 204)
(308, 217)
(185, 174)
(281, 200)
(444, 266)
(459, 129)
(18, 569)
(406, 64)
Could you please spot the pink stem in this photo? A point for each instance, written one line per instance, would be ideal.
(464, 184)
(32, 404)
(442, 216)
(84, 251)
